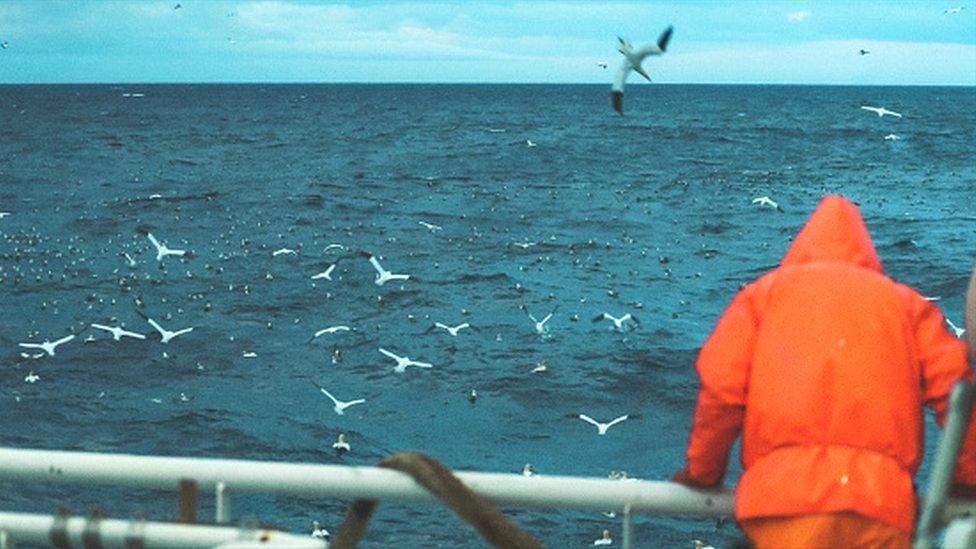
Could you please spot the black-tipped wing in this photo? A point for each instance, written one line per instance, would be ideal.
(662, 42)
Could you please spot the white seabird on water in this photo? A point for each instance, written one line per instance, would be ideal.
(430, 226)
(881, 111)
(117, 332)
(340, 406)
(404, 362)
(161, 249)
(602, 427)
(340, 445)
(382, 275)
(318, 532)
(632, 62)
(326, 274)
(618, 323)
(281, 251)
(891, 137)
(165, 335)
(766, 201)
(48, 346)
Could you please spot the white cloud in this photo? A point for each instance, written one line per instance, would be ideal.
(798, 16)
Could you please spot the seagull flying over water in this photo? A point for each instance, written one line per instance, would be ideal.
(161, 249)
(48, 346)
(331, 330)
(453, 330)
(31, 377)
(165, 335)
(632, 61)
(403, 362)
(602, 427)
(117, 332)
(382, 275)
(955, 329)
(326, 274)
(340, 446)
(766, 201)
(540, 325)
(881, 111)
(340, 406)
(891, 137)
(281, 251)
(430, 226)
(618, 323)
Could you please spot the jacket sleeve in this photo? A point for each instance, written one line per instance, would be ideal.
(943, 358)
(723, 367)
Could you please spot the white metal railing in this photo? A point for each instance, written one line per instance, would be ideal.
(222, 477)
(226, 476)
(91, 532)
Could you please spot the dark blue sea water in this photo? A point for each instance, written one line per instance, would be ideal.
(650, 213)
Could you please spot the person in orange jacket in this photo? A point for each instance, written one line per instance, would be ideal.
(824, 365)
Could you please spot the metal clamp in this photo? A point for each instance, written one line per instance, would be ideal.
(59, 529)
(135, 538)
(91, 538)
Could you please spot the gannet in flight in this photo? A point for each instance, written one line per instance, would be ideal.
(281, 251)
(430, 226)
(602, 427)
(340, 406)
(955, 329)
(540, 325)
(326, 274)
(4, 214)
(31, 377)
(161, 249)
(618, 323)
(766, 201)
(165, 335)
(404, 362)
(891, 137)
(453, 330)
(331, 330)
(117, 332)
(632, 61)
(48, 346)
(881, 111)
(382, 275)
(605, 540)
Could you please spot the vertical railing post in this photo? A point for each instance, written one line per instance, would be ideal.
(5, 540)
(223, 503)
(188, 501)
(628, 541)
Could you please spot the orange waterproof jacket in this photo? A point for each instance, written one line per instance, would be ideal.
(824, 365)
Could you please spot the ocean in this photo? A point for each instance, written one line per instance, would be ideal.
(495, 198)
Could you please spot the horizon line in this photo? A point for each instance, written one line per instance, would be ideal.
(421, 83)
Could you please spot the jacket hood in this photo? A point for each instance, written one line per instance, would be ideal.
(835, 232)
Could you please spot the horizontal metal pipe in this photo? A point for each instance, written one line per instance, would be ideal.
(347, 482)
(36, 529)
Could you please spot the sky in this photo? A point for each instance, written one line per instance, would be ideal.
(911, 42)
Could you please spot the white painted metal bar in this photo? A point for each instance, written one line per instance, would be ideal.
(345, 482)
(35, 529)
(628, 541)
(222, 506)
